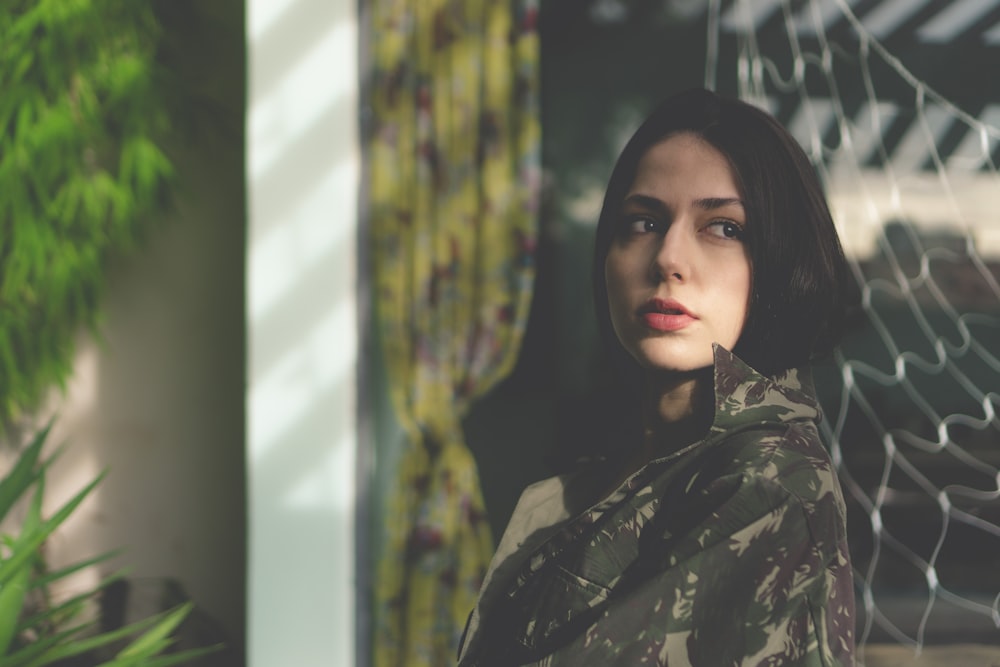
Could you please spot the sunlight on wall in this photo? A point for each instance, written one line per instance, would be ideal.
(302, 170)
(75, 468)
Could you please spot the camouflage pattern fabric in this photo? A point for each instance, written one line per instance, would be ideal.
(731, 551)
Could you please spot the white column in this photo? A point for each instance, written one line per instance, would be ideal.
(302, 176)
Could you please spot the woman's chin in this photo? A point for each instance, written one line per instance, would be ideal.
(673, 359)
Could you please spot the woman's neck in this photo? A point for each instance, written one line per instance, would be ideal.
(677, 410)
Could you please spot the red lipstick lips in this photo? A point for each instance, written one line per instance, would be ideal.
(665, 315)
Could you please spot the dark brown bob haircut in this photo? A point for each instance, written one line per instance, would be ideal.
(799, 289)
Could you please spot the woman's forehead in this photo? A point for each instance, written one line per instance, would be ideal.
(685, 165)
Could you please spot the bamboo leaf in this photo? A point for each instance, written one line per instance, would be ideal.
(179, 658)
(87, 644)
(24, 473)
(78, 78)
(58, 615)
(24, 63)
(64, 612)
(34, 651)
(27, 546)
(52, 577)
(158, 638)
(11, 602)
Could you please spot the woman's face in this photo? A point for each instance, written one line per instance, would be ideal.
(678, 271)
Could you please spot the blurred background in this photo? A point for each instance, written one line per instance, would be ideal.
(312, 281)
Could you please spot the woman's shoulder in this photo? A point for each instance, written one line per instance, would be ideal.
(792, 457)
(784, 459)
(789, 468)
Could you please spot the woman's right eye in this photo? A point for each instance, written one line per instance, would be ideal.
(641, 224)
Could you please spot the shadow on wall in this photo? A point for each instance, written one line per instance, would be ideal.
(158, 399)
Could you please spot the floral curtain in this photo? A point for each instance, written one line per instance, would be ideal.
(454, 183)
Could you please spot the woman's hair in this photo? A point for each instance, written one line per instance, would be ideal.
(800, 280)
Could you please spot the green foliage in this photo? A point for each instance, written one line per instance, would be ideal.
(32, 634)
(83, 115)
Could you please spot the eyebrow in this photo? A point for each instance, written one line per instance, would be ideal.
(706, 203)
(710, 203)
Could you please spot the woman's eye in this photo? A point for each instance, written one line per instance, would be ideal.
(726, 229)
(642, 225)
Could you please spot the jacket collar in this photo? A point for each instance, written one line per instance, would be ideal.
(744, 396)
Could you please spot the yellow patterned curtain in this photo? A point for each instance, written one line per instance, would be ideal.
(454, 184)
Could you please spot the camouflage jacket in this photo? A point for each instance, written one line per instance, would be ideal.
(731, 551)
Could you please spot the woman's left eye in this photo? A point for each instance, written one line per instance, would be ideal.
(726, 229)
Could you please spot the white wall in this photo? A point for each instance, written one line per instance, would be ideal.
(158, 398)
(302, 174)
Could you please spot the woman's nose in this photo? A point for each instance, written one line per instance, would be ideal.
(673, 256)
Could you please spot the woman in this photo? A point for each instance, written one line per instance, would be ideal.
(714, 532)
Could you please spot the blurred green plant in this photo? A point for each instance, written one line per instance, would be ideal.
(83, 117)
(34, 630)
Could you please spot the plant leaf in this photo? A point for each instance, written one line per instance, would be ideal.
(24, 473)
(83, 645)
(26, 547)
(65, 609)
(50, 577)
(158, 638)
(180, 658)
(32, 651)
(11, 602)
